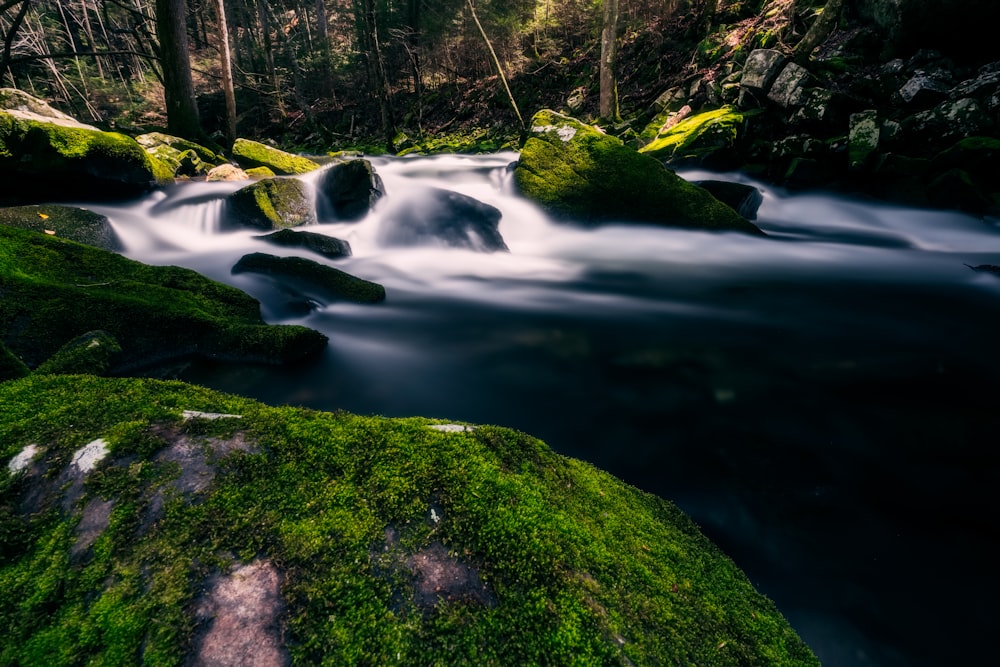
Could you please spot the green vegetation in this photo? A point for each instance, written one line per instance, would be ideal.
(573, 170)
(11, 367)
(571, 565)
(89, 354)
(251, 154)
(55, 290)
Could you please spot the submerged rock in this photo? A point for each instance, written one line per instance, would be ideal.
(322, 538)
(333, 283)
(742, 198)
(46, 161)
(254, 154)
(68, 222)
(350, 189)
(327, 246)
(574, 171)
(54, 290)
(441, 217)
(272, 203)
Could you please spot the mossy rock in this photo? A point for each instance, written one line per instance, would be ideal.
(11, 366)
(327, 246)
(697, 137)
(576, 172)
(251, 154)
(350, 189)
(209, 157)
(146, 518)
(28, 107)
(54, 290)
(333, 283)
(68, 222)
(272, 203)
(41, 160)
(89, 354)
(260, 172)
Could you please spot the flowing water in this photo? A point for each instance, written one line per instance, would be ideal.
(822, 401)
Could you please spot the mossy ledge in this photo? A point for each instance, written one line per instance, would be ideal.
(364, 540)
(53, 290)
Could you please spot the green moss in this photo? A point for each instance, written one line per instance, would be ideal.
(11, 366)
(697, 136)
(260, 172)
(577, 172)
(273, 203)
(581, 569)
(253, 154)
(55, 290)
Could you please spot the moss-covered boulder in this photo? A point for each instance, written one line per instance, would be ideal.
(182, 157)
(46, 161)
(55, 290)
(272, 203)
(68, 222)
(330, 282)
(321, 244)
(575, 171)
(349, 190)
(254, 154)
(698, 138)
(92, 353)
(159, 523)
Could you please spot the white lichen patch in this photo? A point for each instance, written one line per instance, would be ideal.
(195, 414)
(90, 455)
(23, 459)
(451, 428)
(564, 132)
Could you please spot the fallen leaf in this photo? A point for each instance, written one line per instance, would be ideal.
(50, 232)
(43, 216)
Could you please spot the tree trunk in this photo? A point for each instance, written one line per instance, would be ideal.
(609, 56)
(819, 30)
(496, 62)
(377, 70)
(227, 72)
(178, 87)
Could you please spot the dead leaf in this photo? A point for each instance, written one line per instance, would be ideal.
(43, 216)
(50, 232)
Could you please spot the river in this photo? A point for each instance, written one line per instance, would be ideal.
(822, 401)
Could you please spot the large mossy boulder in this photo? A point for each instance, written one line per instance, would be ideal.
(147, 522)
(272, 203)
(56, 290)
(331, 283)
(68, 222)
(182, 157)
(47, 161)
(576, 172)
(698, 139)
(349, 189)
(251, 154)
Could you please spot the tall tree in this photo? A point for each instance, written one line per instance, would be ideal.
(227, 72)
(178, 86)
(609, 57)
(376, 69)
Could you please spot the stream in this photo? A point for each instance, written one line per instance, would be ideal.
(821, 401)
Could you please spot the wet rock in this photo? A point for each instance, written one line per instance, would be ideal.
(742, 198)
(67, 222)
(707, 138)
(803, 173)
(330, 282)
(254, 154)
(183, 157)
(327, 246)
(574, 171)
(349, 189)
(271, 203)
(435, 216)
(761, 69)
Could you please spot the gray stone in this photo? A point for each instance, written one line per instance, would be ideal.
(349, 190)
(442, 217)
(863, 138)
(742, 198)
(327, 246)
(761, 68)
(671, 100)
(787, 90)
(922, 90)
(271, 203)
(818, 105)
